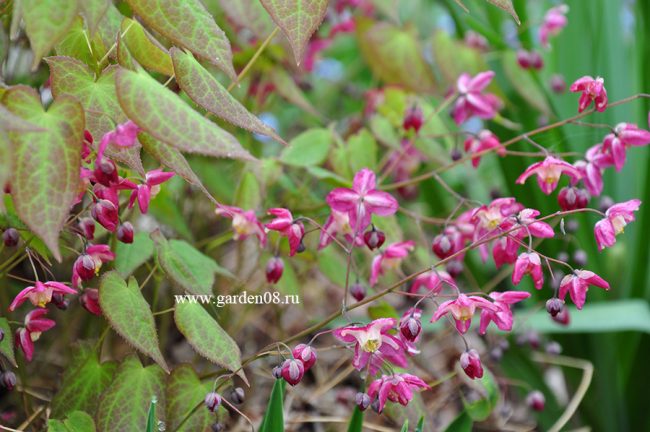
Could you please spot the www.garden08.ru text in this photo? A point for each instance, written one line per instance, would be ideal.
(243, 298)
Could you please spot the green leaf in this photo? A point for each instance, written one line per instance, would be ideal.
(93, 11)
(287, 88)
(7, 344)
(42, 199)
(78, 44)
(356, 422)
(152, 424)
(46, 22)
(145, 49)
(405, 426)
(298, 20)
(207, 337)
(288, 283)
(420, 425)
(76, 421)
(382, 310)
(362, 151)
(308, 149)
(128, 257)
(84, 381)
(330, 263)
(462, 423)
(99, 100)
(163, 115)
(248, 194)
(488, 389)
(11, 122)
(184, 392)
(208, 93)
(188, 24)
(506, 5)
(524, 84)
(274, 416)
(130, 315)
(249, 14)
(125, 404)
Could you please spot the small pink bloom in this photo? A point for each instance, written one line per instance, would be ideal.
(336, 223)
(390, 259)
(554, 21)
(471, 99)
(592, 90)
(274, 269)
(577, 285)
(413, 119)
(625, 135)
(125, 232)
(35, 324)
(410, 325)
(314, 48)
(448, 243)
(476, 40)
(212, 401)
(144, 192)
(362, 200)
(572, 198)
(597, 159)
(40, 294)
(503, 317)
(485, 140)
(285, 224)
(292, 371)
(536, 400)
(244, 223)
(124, 135)
(462, 309)
(87, 227)
(90, 301)
(471, 364)
(374, 238)
(88, 265)
(616, 218)
(529, 225)
(105, 212)
(528, 263)
(395, 388)
(548, 173)
(504, 251)
(306, 354)
(105, 172)
(433, 281)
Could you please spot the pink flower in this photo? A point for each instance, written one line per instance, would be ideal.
(503, 317)
(337, 223)
(274, 269)
(548, 173)
(292, 371)
(362, 200)
(592, 169)
(471, 101)
(390, 259)
(395, 388)
(144, 192)
(504, 251)
(616, 218)
(462, 309)
(554, 21)
(90, 301)
(88, 265)
(313, 50)
(448, 243)
(529, 225)
(285, 224)
(410, 325)
(40, 294)
(470, 361)
(106, 213)
(306, 354)
(35, 324)
(592, 90)
(528, 263)
(244, 223)
(433, 281)
(485, 140)
(124, 135)
(572, 198)
(625, 135)
(577, 285)
(373, 344)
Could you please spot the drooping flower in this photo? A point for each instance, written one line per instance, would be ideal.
(124, 135)
(374, 238)
(413, 119)
(144, 192)
(125, 232)
(90, 301)
(554, 21)
(274, 269)
(433, 281)
(40, 294)
(446, 244)
(471, 99)
(88, 265)
(503, 317)
(35, 324)
(87, 227)
(373, 345)
(504, 251)
(625, 135)
(212, 401)
(485, 140)
(548, 173)
(410, 325)
(528, 263)
(572, 198)
(395, 388)
(106, 213)
(287, 226)
(592, 90)
(462, 309)
(577, 285)
(470, 361)
(244, 223)
(536, 400)
(526, 220)
(616, 218)
(306, 354)
(591, 169)
(292, 371)
(362, 201)
(389, 259)
(337, 223)
(530, 59)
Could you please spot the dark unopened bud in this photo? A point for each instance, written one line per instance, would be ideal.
(410, 328)
(106, 172)
(10, 237)
(572, 198)
(90, 301)
(292, 371)
(562, 317)
(105, 212)
(358, 291)
(580, 258)
(374, 238)
(85, 267)
(306, 354)
(237, 395)
(554, 306)
(413, 119)
(454, 268)
(558, 85)
(8, 380)
(362, 400)
(87, 227)
(523, 58)
(536, 400)
(60, 301)
(443, 246)
(301, 247)
(274, 269)
(218, 427)
(471, 364)
(125, 232)
(277, 372)
(375, 406)
(536, 60)
(212, 401)
(455, 155)
(553, 348)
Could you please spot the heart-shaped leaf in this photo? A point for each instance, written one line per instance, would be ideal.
(249, 14)
(145, 49)
(46, 164)
(488, 390)
(93, 11)
(46, 22)
(184, 392)
(207, 337)
(7, 344)
(76, 421)
(125, 404)
(298, 20)
(130, 315)
(309, 148)
(208, 93)
(188, 24)
(130, 256)
(163, 115)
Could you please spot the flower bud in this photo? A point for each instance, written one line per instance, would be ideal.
(554, 306)
(536, 60)
(60, 301)
(553, 348)
(292, 371)
(218, 427)
(85, 267)
(443, 246)
(301, 247)
(277, 372)
(563, 256)
(413, 119)
(536, 400)
(105, 212)
(572, 198)
(375, 406)
(125, 232)
(374, 238)
(8, 380)
(10, 237)
(90, 301)
(532, 337)
(605, 203)
(410, 328)
(562, 317)
(362, 401)
(455, 155)
(306, 354)
(454, 268)
(496, 354)
(274, 269)
(105, 172)
(358, 291)
(523, 58)
(87, 227)
(237, 395)
(471, 364)
(580, 258)
(212, 401)
(558, 85)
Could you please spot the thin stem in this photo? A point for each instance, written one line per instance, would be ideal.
(253, 59)
(108, 53)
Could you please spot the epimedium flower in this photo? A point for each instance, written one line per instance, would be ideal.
(503, 317)
(124, 135)
(397, 387)
(244, 223)
(410, 326)
(274, 270)
(306, 354)
(90, 301)
(462, 309)
(144, 192)
(593, 90)
(88, 264)
(105, 212)
(471, 99)
(597, 159)
(337, 223)
(447, 243)
(484, 140)
(504, 251)
(373, 344)
(362, 201)
(572, 198)
(624, 136)
(548, 173)
(616, 218)
(432, 280)
(577, 285)
(40, 294)
(554, 21)
(528, 263)
(389, 259)
(292, 371)
(35, 324)
(470, 362)
(288, 227)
